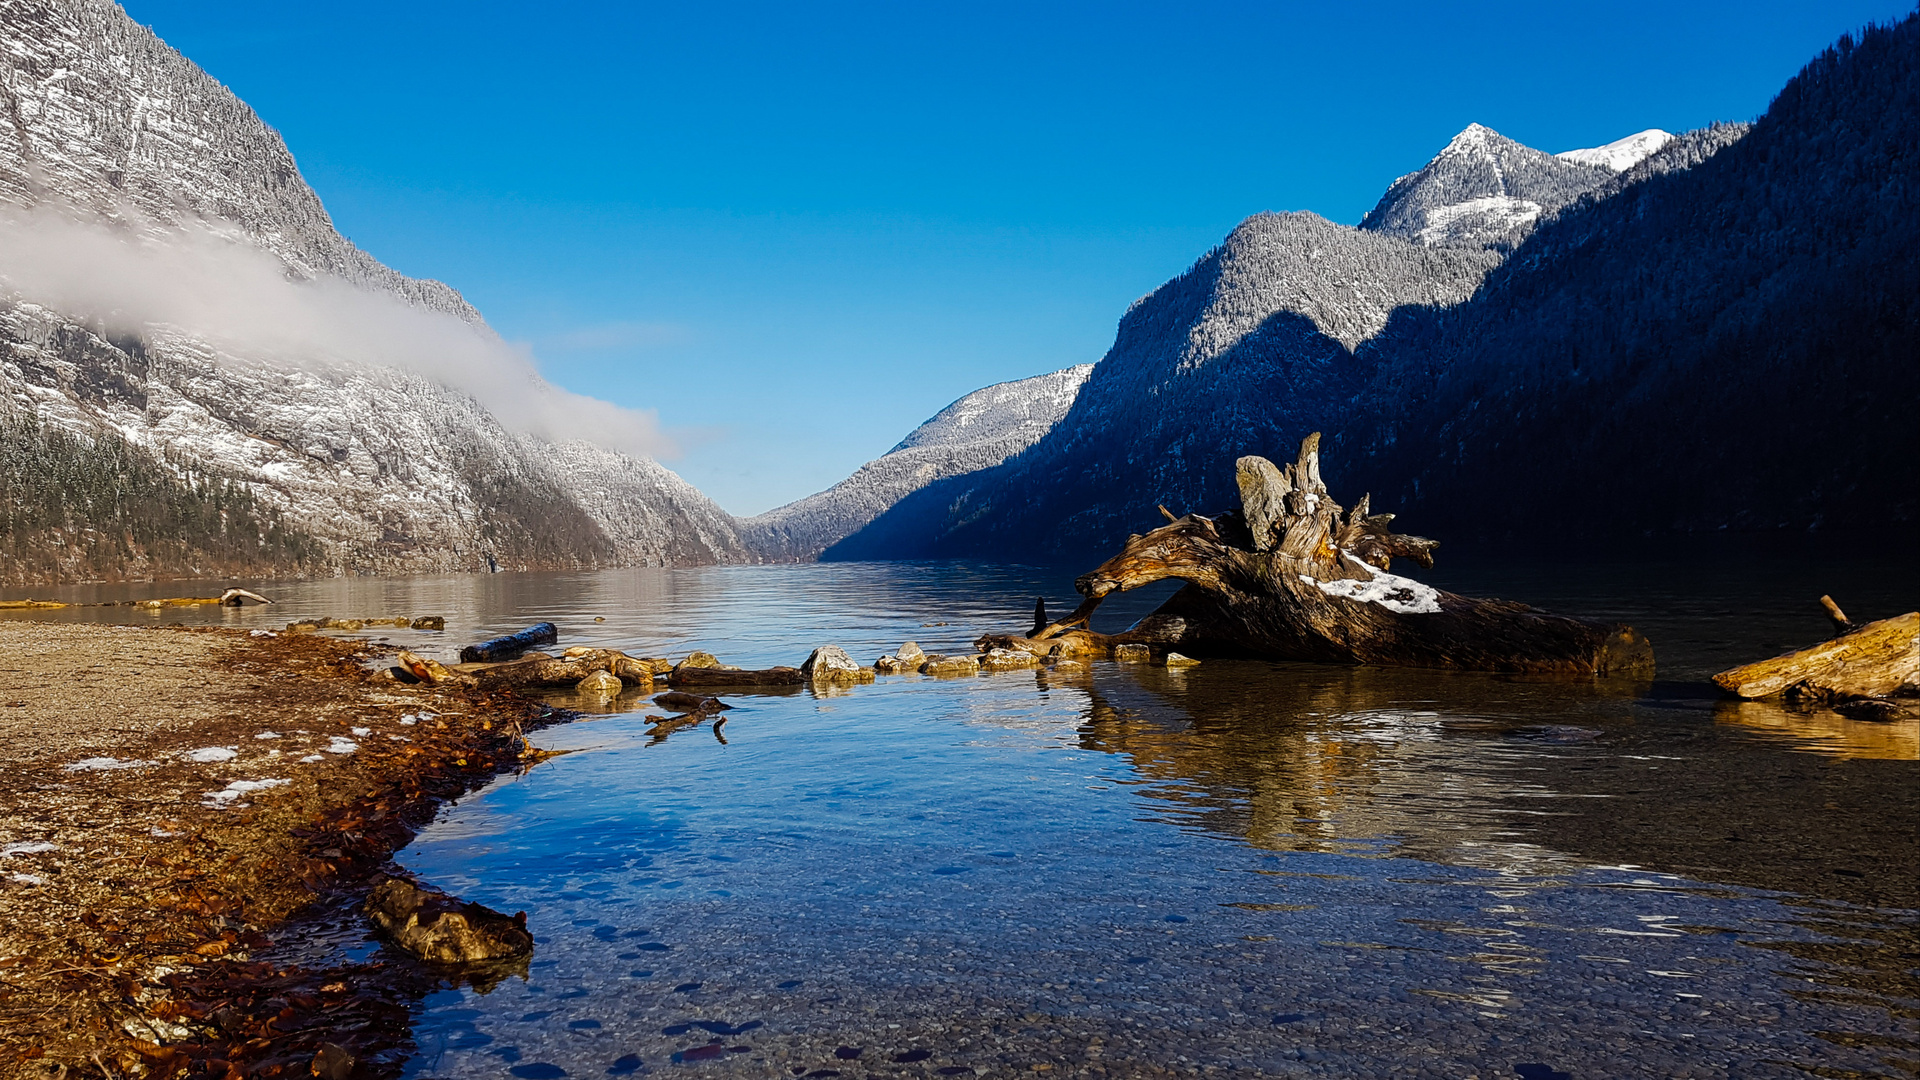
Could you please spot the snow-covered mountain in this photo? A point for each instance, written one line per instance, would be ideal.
(1293, 324)
(976, 432)
(125, 171)
(1620, 154)
(1483, 189)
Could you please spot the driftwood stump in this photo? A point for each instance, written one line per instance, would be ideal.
(1294, 576)
(1877, 660)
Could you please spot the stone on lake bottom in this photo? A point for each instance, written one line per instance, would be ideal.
(1133, 654)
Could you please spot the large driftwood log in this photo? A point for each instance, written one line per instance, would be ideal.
(1293, 576)
(1874, 661)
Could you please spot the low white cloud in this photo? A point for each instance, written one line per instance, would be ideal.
(247, 303)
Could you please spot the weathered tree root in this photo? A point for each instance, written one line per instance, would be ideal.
(1292, 576)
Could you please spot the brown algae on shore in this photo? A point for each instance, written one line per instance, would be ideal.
(167, 799)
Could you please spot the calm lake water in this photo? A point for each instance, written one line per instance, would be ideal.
(1245, 868)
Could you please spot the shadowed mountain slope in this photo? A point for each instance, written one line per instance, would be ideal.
(1722, 336)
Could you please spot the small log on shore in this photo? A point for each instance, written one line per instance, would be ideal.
(1875, 661)
(699, 678)
(511, 645)
(1292, 575)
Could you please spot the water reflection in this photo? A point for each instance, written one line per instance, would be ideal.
(1272, 868)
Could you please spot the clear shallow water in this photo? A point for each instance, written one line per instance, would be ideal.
(1256, 868)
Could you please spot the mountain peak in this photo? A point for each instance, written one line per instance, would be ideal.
(1481, 189)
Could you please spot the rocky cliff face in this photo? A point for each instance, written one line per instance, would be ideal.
(388, 470)
(976, 432)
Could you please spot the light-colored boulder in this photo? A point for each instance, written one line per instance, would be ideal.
(1175, 660)
(601, 684)
(831, 664)
(947, 666)
(1007, 660)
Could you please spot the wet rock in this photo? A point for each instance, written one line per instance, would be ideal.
(435, 926)
(333, 1062)
(1007, 660)
(675, 701)
(1175, 660)
(430, 622)
(655, 664)
(699, 659)
(937, 664)
(831, 664)
(602, 683)
(893, 665)
(1133, 654)
(911, 652)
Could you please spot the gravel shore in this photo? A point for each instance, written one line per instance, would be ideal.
(171, 802)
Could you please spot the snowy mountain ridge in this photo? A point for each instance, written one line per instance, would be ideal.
(1620, 154)
(976, 432)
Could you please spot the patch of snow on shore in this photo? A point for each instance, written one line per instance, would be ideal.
(208, 754)
(226, 796)
(101, 764)
(342, 745)
(28, 847)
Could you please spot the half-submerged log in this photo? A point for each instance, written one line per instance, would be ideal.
(718, 677)
(510, 645)
(1294, 576)
(1875, 661)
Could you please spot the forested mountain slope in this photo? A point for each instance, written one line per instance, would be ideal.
(1732, 346)
(1723, 336)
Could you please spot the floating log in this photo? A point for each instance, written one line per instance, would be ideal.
(1874, 661)
(1294, 576)
(511, 645)
(716, 677)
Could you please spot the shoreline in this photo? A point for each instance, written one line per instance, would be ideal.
(175, 800)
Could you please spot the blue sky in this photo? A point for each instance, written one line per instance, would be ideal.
(798, 230)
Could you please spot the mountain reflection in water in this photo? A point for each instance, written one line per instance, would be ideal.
(1278, 868)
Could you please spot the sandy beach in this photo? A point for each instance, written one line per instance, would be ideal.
(169, 798)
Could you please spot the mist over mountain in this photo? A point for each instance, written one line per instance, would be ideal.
(1717, 334)
(173, 296)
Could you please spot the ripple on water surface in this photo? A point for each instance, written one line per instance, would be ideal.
(1282, 869)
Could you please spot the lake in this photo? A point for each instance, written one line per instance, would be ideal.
(1240, 868)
